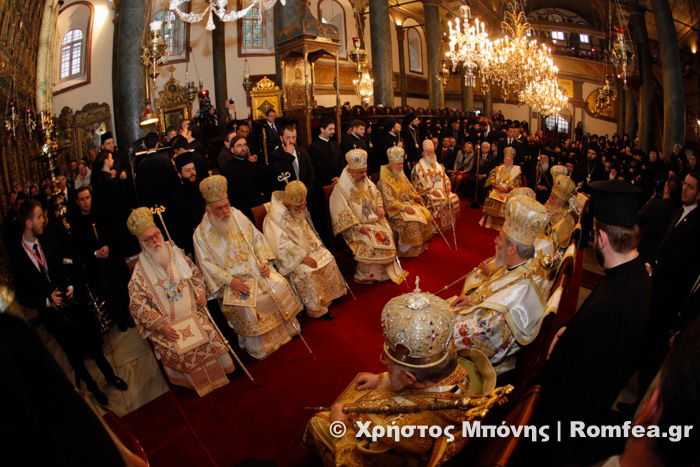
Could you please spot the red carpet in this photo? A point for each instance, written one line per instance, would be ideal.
(239, 421)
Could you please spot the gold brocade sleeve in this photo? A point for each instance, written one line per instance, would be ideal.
(491, 179)
(392, 205)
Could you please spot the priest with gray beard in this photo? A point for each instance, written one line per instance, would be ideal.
(167, 294)
(234, 258)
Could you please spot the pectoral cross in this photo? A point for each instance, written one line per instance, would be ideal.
(284, 177)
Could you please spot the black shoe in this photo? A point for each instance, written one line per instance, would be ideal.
(99, 395)
(118, 383)
(328, 316)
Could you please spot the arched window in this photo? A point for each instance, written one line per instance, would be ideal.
(256, 36)
(332, 12)
(557, 123)
(72, 46)
(174, 31)
(415, 51)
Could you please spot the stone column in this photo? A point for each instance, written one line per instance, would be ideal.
(433, 36)
(620, 110)
(674, 93)
(646, 88)
(218, 47)
(44, 61)
(630, 114)
(400, 36)
(129, 72)
(382, 65)
(488, 104)
(467, 95)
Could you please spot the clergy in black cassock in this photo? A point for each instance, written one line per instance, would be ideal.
(185, 208)
(245, 189)
(155, 175)
(355, 140)
(328, 164)
(598, 350)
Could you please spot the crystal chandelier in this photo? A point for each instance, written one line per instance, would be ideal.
(469, 45)
(620, 51)
(545, 97)
(219, 7)
(606, 95)
(517, 61)
(364, 84)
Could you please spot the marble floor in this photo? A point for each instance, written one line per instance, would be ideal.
(132, 360)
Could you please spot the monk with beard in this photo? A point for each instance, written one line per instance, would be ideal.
(241, 278)
(167, 296)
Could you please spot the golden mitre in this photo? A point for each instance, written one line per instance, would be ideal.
(522, 191)
(509, 152)
(563, 187)
(140, 220)
(295, 193)
(356, 158)
(214, 188)
(395, 155)
(557, 170)
(417, 329)
(525, 219)
(428, 145)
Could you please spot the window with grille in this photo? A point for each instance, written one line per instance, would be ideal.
(72, 46)
(253, 30)
(558, 35)
(557, 123)
(173, 31)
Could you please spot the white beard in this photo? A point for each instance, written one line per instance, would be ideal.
(500, 259)
(544, 167)
(431, 160)
(159, 257)
(222, 227)
(398, 174)
(300, 216)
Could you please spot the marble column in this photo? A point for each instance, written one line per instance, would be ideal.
(129, 73)
(382, 64)
(620, 110)
(400, 37)
(467, 95)
(674, 93)
(488, 104)
(433, 36)
(218, 47)
(630, 114)
(646, 77)
(44, 61)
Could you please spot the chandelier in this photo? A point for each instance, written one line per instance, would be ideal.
(364, 84)
(620, 51)
(606, 95)
(15, 119)
(219, 7)
(545, 97)
(469, 45)
(517, 62)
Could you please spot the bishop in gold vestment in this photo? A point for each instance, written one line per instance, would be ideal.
(411, 222)
(423, 368)
(433, 185)
(168, 297)
(357, 212)
(561, 210)
(501, 308)
(501, 181)
(301, 256)
(264, 319)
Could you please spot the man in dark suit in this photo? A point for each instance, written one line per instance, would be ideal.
(487, 162)
(389, 136)
(41, 283)
(290, 162)
(156, 178)
(356, 139)
(454, 131)
(511, 141)
(446, 155)
(656, 216)
(273, 131)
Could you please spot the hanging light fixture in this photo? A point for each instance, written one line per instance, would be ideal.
(218, 7)
(153, 55)
(364, 84)
(469, 45)
(444, 73)
(620, 51)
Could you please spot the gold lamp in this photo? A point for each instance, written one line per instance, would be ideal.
(153, 55)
